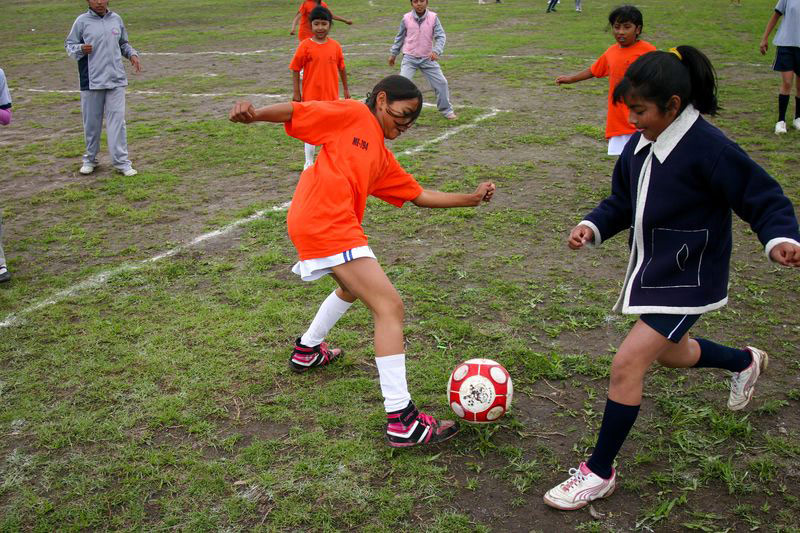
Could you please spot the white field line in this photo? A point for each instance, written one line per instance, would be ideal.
(103, 277)
(159, 93)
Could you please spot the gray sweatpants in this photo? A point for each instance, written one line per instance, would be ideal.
(108, 103)
(2, 254)
(433, 73)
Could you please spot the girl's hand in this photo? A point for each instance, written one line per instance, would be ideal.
(348, 22)
(580, 235)
(484, 192)
(291, 32)
(786, 254)
(391, 61)
(434, 56)
(347, 94)
(763, 47)
(562, 79)
(243, 111)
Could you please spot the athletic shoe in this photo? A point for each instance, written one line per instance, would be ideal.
(5, 275)
(86, 169)
(409, 427)
(743, 383)
(451, 116)
(130, 172)
(780, 127)
(582, 487)
(305, 358)
(796, 123)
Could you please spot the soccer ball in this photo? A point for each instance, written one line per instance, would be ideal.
(480, 390)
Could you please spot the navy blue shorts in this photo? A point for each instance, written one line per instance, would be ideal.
(787, 59)
(673, 327)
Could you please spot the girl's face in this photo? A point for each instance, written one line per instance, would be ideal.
(648, 118)
(320, 28)
(419, 6)
(393, 117)
(626, 33)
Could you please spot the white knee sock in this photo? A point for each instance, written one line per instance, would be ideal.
(310, 149)
(329, 313)
(392, 372)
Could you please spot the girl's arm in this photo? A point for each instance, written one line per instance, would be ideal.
(770, 26)
(430, 198)
(294, 23)
(340, 19)
(580, 76)
(296, 96)
(245, 113)
(343, 75)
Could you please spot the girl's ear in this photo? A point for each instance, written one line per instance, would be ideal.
(638, 31)
(674, 105)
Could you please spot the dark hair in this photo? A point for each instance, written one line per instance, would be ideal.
(396, 88)
(623, 14)
(320, 13)
(656, 76)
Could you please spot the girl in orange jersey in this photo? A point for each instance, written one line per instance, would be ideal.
(303, 24)
(325, 226)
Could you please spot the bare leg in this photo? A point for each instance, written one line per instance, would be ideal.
(640, 349)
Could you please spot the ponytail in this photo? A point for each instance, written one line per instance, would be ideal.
(683, 71)
(396, 88)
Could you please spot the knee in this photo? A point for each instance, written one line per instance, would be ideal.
(626, 367)
(390, 308)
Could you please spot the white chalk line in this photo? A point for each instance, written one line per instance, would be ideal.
(101, 278)
(158, 93)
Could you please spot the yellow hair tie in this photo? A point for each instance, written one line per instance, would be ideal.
(675, 51)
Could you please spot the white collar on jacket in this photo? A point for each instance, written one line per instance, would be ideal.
(670, 137)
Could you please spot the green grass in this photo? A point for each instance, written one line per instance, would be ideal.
(161, 398)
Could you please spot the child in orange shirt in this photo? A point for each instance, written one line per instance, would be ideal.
(626, 23)
(322, 61)
(325, 226)
(305, 9)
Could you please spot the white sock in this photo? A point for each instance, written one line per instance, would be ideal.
(329, 313)
(310, 150)
(392, 372)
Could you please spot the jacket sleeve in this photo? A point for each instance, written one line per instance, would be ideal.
(124, 46)
(439, 37)
(74, 40)
(754, 195)
(399, 39)
(615, 213)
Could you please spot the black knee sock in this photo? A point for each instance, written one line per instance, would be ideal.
(713, 355)
(618, 420)
(783, 104)
(797, 107)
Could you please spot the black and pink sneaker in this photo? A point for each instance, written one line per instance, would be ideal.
(305, 358)
(409, 427)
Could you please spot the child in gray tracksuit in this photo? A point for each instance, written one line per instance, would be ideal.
(422, 39)
(98, 41)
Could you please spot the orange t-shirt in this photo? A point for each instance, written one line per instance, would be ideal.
(304, 30)
(329, 201)
(613, 63)
(320, 63)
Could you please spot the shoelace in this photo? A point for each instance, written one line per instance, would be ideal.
(428, 420)
(576, 477)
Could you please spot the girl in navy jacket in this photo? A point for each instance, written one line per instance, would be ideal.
(675, 186)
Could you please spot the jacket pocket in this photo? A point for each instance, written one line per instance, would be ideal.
(675, 259)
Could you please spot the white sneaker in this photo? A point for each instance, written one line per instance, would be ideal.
(780, 127)
(583, 487)
(130, 172)
(86, 169)
(743, 383)
(796, 123)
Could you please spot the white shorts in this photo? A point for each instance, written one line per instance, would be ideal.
(313, 269)
(617, 143)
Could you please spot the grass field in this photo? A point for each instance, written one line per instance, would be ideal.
(143, 377)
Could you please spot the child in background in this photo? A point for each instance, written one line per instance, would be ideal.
(422, 40)
(322, 61)
(325, 226)
(5, 120)
(787, 58)
(680, 251)
(626, 23)
(301, 18)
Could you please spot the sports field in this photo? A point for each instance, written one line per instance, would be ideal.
(144, 336)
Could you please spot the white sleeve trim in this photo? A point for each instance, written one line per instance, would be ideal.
(775, 242)
(597, 238)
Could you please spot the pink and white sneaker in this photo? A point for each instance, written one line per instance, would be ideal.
(305, 358)
(743, 384)
(582, 487)
(410, 427)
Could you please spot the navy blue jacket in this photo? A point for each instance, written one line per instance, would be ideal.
(681, 226)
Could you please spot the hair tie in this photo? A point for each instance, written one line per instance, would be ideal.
(674, 50)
